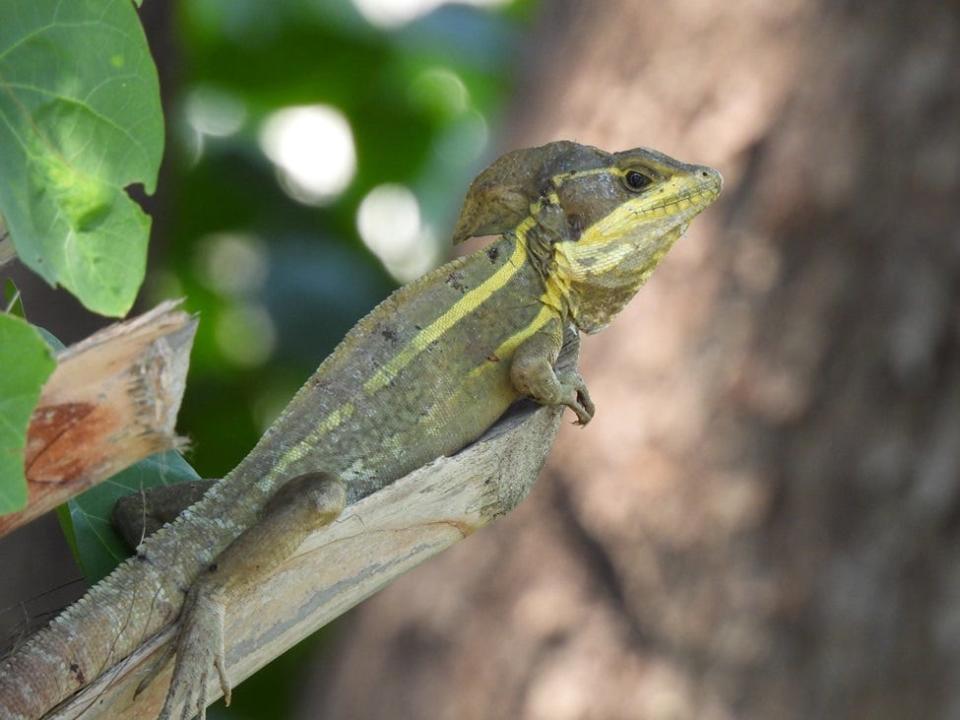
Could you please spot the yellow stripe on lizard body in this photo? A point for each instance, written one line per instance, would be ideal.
(325, 426)
(506, 348)
(409, 352)
(466, 305)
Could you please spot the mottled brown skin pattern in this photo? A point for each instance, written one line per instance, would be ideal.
(425, 373)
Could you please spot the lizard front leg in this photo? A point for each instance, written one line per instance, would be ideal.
(532, 373)
(301, 506)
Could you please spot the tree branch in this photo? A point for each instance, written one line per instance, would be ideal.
(372, 543)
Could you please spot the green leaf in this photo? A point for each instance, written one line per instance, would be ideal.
(86, 522)
(52, 340)
(26, 362)
(12, 300)
(80, 120)
(66, 525)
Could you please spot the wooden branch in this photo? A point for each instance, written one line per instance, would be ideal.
(372, 543)
(112, 401)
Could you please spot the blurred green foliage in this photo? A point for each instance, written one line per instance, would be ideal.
(277, 282)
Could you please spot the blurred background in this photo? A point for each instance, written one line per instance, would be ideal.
(763, 519)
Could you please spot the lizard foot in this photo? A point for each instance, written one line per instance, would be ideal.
(199, 652)
(578, 397)
(302, 505)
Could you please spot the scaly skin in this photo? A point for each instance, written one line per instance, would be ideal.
(425, 373)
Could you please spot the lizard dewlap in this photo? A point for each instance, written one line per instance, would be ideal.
(425, 373)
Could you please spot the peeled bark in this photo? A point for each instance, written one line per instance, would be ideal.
(762, 521)
(112, 400)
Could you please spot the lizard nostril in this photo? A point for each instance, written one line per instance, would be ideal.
(704, 173)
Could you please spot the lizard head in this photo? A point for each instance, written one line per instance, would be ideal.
(596, 223)
(623, 212)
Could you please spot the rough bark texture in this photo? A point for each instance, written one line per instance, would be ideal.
(762, 521)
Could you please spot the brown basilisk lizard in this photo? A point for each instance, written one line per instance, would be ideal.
(421, 376)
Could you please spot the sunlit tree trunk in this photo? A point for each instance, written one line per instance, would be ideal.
(763, 520)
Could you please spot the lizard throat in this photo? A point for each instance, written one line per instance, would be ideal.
(543, 255)
(595, 287)
(558, 290)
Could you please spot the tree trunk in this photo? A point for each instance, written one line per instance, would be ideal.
(762, 521)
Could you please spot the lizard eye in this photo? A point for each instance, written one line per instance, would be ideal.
(636, 181)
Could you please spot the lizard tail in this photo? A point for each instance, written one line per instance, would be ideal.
(142, 596)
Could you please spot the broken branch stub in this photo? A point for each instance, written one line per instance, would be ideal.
(112, 401)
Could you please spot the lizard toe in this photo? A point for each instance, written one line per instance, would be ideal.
(200, 652)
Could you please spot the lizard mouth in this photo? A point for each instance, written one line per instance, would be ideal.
(697, 198)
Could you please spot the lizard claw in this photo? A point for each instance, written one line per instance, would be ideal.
(200, 651)
(580, 401)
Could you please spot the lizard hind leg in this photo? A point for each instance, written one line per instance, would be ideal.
(301, 506)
